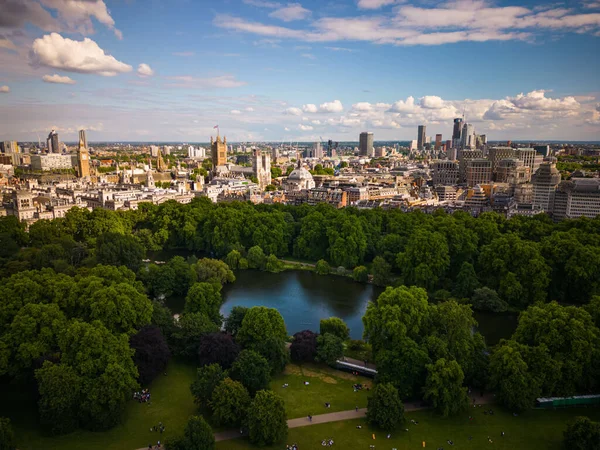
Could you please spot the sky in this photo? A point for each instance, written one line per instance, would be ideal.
(158, 70)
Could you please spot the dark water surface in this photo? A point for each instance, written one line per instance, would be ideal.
(304, 298)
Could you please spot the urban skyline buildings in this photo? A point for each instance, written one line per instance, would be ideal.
(365, 143)
(421, 137)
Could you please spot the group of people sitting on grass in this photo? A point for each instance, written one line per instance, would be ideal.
(142, 397)
(160, 427)
(327, 442)
(359, 387)
(291, 447)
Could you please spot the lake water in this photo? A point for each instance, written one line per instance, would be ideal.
(304, 298)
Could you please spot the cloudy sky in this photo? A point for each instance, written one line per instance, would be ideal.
(273, 70)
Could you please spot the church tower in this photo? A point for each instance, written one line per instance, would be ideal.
(160, 162)
(218, 151)
(83, 157)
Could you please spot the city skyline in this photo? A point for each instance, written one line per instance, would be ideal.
(274, 71)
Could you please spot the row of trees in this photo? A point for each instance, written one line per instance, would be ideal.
(523, 259)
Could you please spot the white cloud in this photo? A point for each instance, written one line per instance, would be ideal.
(286, 129)
(305, 127)
(537, 100)
(362, 106)
(250, 109)
(374, 4)
(144, 70)
(85, 56)
(340, 49)
(262, 4)
(223, 81)
(401, 106)
(58, 79)
(315, 122)
(235, 112)
(4, 89)
(308, 55)
(293, 111)
(432, 102)
(310, 108)
(293, 11)
(331, 107)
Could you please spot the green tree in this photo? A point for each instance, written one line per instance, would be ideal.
(256, 258)
(260, 324)
(7, 435)
(252, 370)
(273, 264)
(276, 172)
(267, 421)
(233, 322)
(119, 250)
(360, 274)
(275, 351)
(382, 271)
(335, 326)
(207, 379)
(403, 366)
(385, 409)
(322, 267)
(213, 270)
(233, 259)
(486, 299)
(188, 332)
(60, 389)
(229, 403)
(425, 259)
(444, 387)
(205, 298)
(466, 281)
(197, 435)
(510, 378)
(330, 348)
(582, 434)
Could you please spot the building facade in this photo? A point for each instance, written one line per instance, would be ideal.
(261, 168)
(365, 144)
(421, 137)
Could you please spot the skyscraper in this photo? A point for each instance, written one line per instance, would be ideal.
(83, 157)
(52, 142)
(468, 138)
(365, 144)
(456, 132)
(544, 181)
(438, 141)
(421, 139)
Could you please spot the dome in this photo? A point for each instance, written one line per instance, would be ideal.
(299, 174)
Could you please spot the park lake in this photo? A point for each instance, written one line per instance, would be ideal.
(303, 298)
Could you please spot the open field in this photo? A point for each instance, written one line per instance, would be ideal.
(534, 430)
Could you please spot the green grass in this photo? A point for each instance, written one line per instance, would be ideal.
(172, 405)
(325, 385)
(535, 430)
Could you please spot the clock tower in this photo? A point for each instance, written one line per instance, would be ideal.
(83, 157)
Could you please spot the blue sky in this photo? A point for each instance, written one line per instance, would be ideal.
(276, 70)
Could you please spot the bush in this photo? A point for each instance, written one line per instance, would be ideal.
(229, 403)
(486, 299)
(322, 267)
(360, 274)
(218, 348)
(207, 379)
(252, 370)
(151, 353)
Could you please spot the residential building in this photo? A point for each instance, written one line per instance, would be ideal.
(445, 173)
(478, 171)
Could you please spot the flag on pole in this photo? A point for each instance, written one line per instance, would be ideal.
(216, 126)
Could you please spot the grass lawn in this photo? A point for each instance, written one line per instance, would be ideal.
(535, 430)
(325, 385)
(172, 405)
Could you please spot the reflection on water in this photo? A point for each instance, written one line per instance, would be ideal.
(304, 298)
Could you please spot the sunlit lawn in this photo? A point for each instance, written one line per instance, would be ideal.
(535, 430)
(325, 385)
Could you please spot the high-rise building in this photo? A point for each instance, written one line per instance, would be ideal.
(468, 138)
(52, 142)
(154, 151)
(218, 151)
(528, 156)
(317, 150)
(421, 138)
(83, 157)
(544, 181)
(457, 132)
(444, 173)
(464, 157)
(365, 144)
(438, 141)
(497, 154)
(261, 168)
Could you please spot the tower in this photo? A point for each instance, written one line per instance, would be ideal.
(457, 132)
(365, 144)
(160, 162)
(52, 142)
(218, 151)
(83, 157)
(261, 168)
(150, 179)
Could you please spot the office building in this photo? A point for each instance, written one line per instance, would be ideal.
(530, 158)
(413, 145)
(457, 132)
(497, 154)
(544, 181)
(464, 157)
(154, 151)
(445, 193)
(9, 147)
(194, 153)
(576, 198)
(51, 161)
(317, 150)
(421, 138)
(380, 152)
(444, 173)
(365, 144)
(438, 141)
(478, 171)
(543, 150)
(52, 142)
(468, 138)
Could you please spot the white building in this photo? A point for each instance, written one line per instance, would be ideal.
(299, 179)
(576, 198)
(199, 152)
(51, 161)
